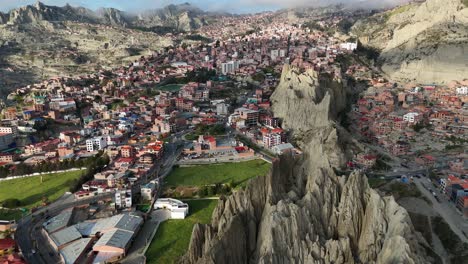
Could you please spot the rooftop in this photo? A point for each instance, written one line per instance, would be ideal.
(58, 222)
(115, 238)
(65, 236)
(72, 252)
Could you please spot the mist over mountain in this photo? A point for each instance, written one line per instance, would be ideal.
(242, 6)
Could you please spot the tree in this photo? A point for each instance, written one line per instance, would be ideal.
(203, 191)
(11, 203)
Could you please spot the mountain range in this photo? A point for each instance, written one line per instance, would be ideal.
(183, 17)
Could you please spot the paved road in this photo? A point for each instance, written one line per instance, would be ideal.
(136, 254)
(29, 236)
(396, 174)
(445, 209)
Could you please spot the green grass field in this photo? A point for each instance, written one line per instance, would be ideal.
(217, 173)
(173, 236)
(170, 87)
(30, 190)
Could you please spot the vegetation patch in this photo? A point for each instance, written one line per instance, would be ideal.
(201, 129)
(173, 236)
(401, 190)
(7, 214)
(376, 182)
(170, 87)
(212, 174)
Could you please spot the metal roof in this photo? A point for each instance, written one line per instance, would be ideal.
(118, 238)
(58, 222)
(73, 251)
(65, 236)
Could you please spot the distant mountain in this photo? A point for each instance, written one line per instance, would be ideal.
(425, 41)
(183, 17)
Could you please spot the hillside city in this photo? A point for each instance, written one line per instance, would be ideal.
(163, 138)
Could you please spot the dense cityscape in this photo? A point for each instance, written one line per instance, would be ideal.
(112, 166)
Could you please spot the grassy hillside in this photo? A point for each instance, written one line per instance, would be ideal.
(30, 191)
(173, 236)
(217, 173)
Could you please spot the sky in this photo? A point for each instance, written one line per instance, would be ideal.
(232, 6)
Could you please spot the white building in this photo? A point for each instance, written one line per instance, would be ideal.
(462, 90)
(178, 209)
(147, 191)
(123, 199)
(274, 54)
(97, 143)
(9, 130)
(271, 140)
(280, 149)
(349, 46)
(229, 67)
(221, 109)
(412, 117)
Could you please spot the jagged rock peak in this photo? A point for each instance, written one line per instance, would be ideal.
(306, 100)
(302, 212)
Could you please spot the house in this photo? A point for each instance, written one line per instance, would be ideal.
(41, 147)
(366, 160)
(270, 140)
(7, 246)
(147, 191)
(282, 148)
(127, 151)
(412, 118)
(64, 151)
(7, 157)
(462, 90)
(249, 116)
(178, 209)
(97, 143)
(6, 226)
(400, 148)
(9, 130)
(124, 163)
(123, 199)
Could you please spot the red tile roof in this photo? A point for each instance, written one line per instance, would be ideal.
(7, 243)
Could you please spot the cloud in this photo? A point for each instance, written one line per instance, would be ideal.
(239, 6)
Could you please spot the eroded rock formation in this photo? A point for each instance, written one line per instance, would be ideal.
(302, 212)
(424, 41)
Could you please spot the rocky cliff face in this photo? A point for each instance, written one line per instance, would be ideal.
(426, 42)
(182, 17)
(302, 212)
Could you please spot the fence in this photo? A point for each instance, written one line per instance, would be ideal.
(40, 173)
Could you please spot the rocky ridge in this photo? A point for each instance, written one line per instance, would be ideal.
(302, 212)
(183, 17)
(425, 42)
